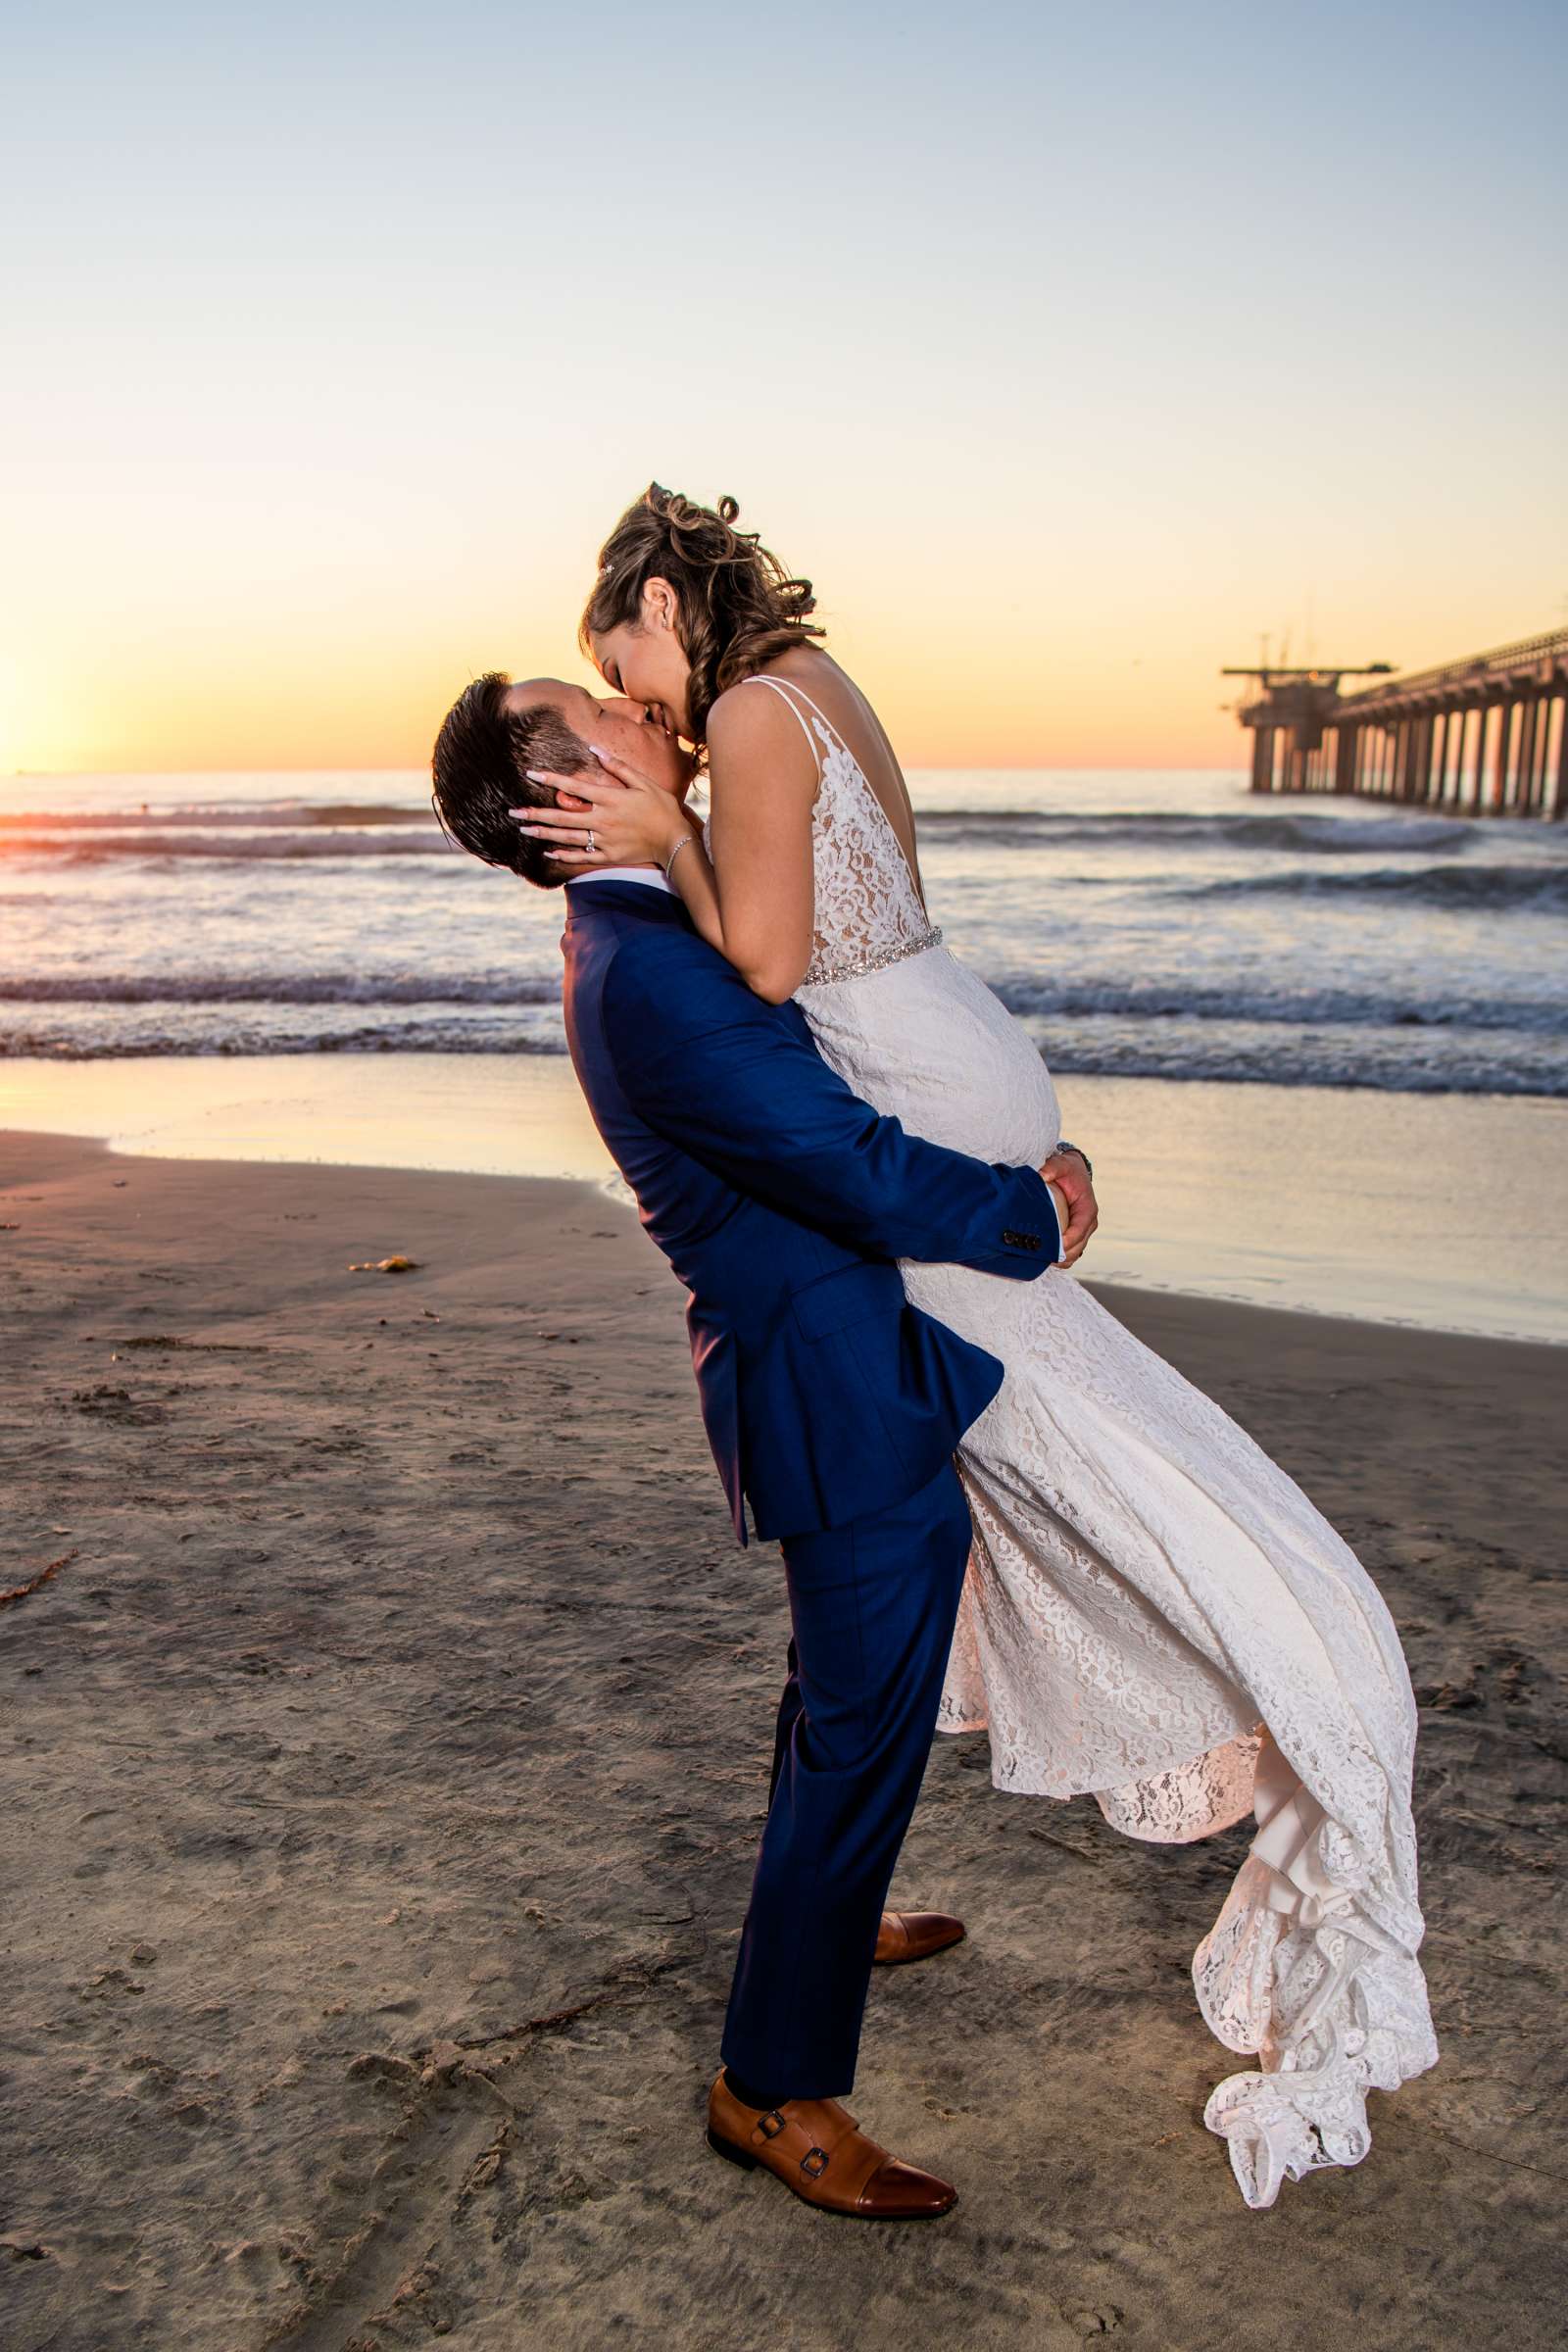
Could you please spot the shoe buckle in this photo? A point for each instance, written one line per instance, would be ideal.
(815, 2163)
(771, 2124)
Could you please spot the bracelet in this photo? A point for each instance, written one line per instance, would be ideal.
(676, 851)
(1088, 1165)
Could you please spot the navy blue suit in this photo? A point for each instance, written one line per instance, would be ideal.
(832, 1407)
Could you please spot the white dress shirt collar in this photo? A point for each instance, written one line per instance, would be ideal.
(650, 874)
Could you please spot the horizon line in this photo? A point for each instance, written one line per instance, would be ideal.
(1186, 768)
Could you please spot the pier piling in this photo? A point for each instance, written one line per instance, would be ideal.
(1411, 739)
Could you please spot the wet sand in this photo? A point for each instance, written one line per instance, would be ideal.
(386, 1742)
(1382, 1187)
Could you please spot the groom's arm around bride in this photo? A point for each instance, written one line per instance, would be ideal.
(740, 1084)
(782, 1200)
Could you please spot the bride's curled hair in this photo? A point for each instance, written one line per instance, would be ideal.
(739, 607)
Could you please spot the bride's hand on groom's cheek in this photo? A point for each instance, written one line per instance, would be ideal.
(603, 821)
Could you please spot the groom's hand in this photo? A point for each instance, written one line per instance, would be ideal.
(1067, 1172)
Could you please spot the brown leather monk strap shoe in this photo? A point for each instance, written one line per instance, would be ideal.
(914, 1934)
(814, 2148)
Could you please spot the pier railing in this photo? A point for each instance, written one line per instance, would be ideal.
(1485, 736)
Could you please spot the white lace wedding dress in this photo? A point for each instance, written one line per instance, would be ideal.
(1154, 1611)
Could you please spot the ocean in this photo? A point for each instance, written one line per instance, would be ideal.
(1139, 924)
(1319, 1049)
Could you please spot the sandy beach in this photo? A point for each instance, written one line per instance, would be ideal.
(386, 1718)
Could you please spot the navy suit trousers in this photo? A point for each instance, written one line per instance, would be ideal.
(873, 1605)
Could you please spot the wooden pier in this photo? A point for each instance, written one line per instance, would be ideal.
(1482, 737)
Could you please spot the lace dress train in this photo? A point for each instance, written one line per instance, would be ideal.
(1155, 1612)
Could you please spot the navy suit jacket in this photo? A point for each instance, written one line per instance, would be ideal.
(782, 1200)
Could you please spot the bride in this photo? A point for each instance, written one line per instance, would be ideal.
(1154, 1612)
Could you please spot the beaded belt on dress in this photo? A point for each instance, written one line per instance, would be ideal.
(876, 961)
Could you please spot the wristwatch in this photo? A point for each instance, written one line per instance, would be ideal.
(1065, 1146)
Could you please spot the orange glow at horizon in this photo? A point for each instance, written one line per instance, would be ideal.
(974, 701)
(365, 723)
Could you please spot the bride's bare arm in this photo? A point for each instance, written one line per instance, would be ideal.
(762, 780)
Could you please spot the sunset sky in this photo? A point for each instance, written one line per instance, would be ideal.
(1068, 350)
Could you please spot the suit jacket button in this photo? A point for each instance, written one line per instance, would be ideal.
(1020, 1240)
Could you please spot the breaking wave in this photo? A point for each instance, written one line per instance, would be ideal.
(1536, 889)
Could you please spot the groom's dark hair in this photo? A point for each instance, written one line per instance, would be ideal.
(478, 769)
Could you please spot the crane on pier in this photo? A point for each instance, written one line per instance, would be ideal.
(1302, 700)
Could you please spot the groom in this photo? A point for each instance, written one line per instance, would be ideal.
(832, 1407)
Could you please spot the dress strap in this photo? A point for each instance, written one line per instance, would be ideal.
(789, 692)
